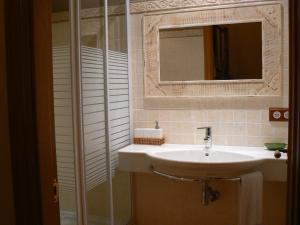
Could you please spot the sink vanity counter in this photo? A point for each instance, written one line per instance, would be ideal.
(141, 158)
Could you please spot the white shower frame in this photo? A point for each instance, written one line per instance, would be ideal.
(80, 186)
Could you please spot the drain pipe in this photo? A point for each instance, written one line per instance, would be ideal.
(208, 193)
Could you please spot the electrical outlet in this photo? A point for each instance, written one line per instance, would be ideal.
(278, 114)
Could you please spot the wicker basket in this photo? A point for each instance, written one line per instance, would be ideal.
(149, 141)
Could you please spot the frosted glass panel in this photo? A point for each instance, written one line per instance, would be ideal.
(93, 109)
(119, 109)
(63, 114)
(104, 112)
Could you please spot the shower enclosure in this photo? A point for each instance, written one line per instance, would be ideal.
(92, 110)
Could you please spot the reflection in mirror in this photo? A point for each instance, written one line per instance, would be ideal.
(217, 52)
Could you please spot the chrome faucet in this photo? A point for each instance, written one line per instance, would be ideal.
(207, 140)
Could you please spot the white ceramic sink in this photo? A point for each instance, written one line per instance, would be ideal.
(193, 163)
(189, 160)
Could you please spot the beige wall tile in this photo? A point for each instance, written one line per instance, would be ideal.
(235, 121)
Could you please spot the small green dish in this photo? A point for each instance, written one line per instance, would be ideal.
(275, 146)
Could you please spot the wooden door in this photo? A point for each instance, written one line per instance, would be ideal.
(30, 111)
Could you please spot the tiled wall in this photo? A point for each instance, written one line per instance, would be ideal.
(235, 121)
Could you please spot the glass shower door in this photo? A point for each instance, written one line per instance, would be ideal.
(119, 107)
(92, 113)
(63, 112)
(105, 91)
(92, 27)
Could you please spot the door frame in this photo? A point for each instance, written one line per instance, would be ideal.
(31, 117)
(6, 193)
(30, 108)
(293, 201)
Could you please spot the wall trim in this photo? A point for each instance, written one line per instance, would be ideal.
(161, 5)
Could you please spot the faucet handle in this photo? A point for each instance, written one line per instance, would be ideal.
(208, 130)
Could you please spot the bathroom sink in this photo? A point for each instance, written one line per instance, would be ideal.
(194, 163)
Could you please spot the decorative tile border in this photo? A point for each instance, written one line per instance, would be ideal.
(158, 5)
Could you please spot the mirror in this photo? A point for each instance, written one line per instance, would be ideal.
(216, 52)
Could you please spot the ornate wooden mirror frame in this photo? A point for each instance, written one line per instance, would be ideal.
(271, 82)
